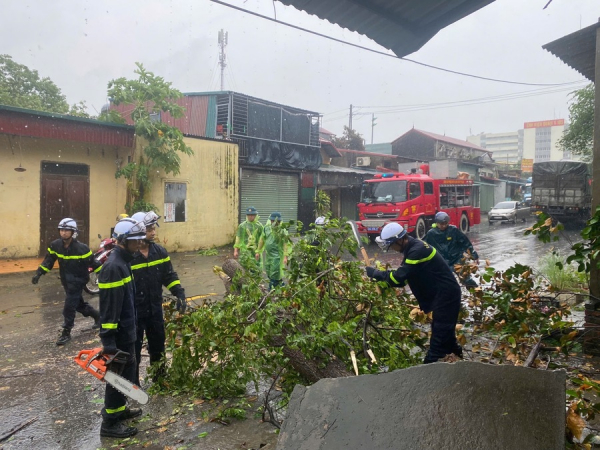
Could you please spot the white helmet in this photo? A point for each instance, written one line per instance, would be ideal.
(390, 234)
(148, 218)
(68, 224)
(322, 220)
(129, 229)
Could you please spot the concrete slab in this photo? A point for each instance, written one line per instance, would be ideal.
(466, 405)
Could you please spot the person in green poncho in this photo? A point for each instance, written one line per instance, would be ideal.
(273, 242)
(247, 237)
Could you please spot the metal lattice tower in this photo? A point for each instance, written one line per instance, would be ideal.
(222, 56)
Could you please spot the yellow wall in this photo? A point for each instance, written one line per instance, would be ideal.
(20, 191)
(212, 199)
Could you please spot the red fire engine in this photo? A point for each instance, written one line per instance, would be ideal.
(412, 200)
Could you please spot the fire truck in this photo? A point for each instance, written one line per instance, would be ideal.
(413, 199)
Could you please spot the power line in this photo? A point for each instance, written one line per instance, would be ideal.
(453, 104)
(384, 53)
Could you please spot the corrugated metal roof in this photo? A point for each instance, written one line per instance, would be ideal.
(365, 153)
(329, 148)
(338, 169)
(448, 139)
(402, 26)
(577, 50)
(26, 122)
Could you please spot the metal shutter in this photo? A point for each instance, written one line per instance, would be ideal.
(269, 192)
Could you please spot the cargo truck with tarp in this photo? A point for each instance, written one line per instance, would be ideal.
(562, 189)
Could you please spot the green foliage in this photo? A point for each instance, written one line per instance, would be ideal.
(579, 137)
(24, 88)
(546, 229)
(322, 312)
(148, 96)
(322, 203)
(586, 253)
(510, 309)
(560, 276)
(208, 252)
(351, 139)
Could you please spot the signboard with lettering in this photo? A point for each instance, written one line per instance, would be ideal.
(169, 212)
(526, 165)
(545, 123)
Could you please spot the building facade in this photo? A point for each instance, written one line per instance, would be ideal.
(540, 141)
(535, 142)
(507, 147)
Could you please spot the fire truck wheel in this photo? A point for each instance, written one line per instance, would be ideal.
(420, 228)
(464, 223)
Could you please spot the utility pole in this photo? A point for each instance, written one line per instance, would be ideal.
(350, 121)
(222, 56)
(372, 126)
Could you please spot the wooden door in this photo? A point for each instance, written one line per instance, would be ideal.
(64, 193)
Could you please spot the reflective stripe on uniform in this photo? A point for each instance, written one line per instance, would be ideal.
(115, 410)
(110, 326)
(151, 263)
(114, 283)
(98, 269)
(395, 281)
(45, 269)
(417, 261)
(87, 255)
(173, 284)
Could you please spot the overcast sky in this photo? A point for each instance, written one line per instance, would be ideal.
(81, 45)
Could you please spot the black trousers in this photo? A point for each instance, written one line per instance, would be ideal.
(155, 333)
(74, 303)
(115, 402)
(443, 333)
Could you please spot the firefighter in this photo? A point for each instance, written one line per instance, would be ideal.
(273, 241)
(74, 261)
(118, 317)
(246, 238)
(152, 270)
(451, 243)
(432, 283)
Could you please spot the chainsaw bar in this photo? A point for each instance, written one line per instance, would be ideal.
(126, 387)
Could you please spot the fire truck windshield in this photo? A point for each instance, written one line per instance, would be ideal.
(383, 192)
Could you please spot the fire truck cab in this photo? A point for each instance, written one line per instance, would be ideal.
(412, 200)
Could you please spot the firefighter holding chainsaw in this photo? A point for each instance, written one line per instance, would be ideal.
(74, 260)
(118, 329)
(152, 270)
(432, 283)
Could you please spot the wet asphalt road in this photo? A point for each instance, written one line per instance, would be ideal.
(39, 381)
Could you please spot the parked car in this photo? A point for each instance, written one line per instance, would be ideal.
(509, 211)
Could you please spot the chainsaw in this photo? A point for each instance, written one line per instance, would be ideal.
(98, 365)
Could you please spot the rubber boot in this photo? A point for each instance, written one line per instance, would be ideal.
(130, 413)
(64, 337)
(116, 430)
(96, 316)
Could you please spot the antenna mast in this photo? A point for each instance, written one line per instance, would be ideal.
(222, 56)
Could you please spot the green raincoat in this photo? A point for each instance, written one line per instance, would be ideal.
(273, 243)
(247, 237)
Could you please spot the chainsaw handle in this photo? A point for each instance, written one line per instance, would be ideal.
(119, 357)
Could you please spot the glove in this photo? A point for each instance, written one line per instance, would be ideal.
(109, 350)
(375, 274)
(35, 278)
(181, 303)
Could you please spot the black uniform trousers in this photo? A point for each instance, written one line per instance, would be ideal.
(155, 333)
(443, 333)
(74, 302)
(115, 403)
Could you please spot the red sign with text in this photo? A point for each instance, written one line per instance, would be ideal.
(545, 123)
